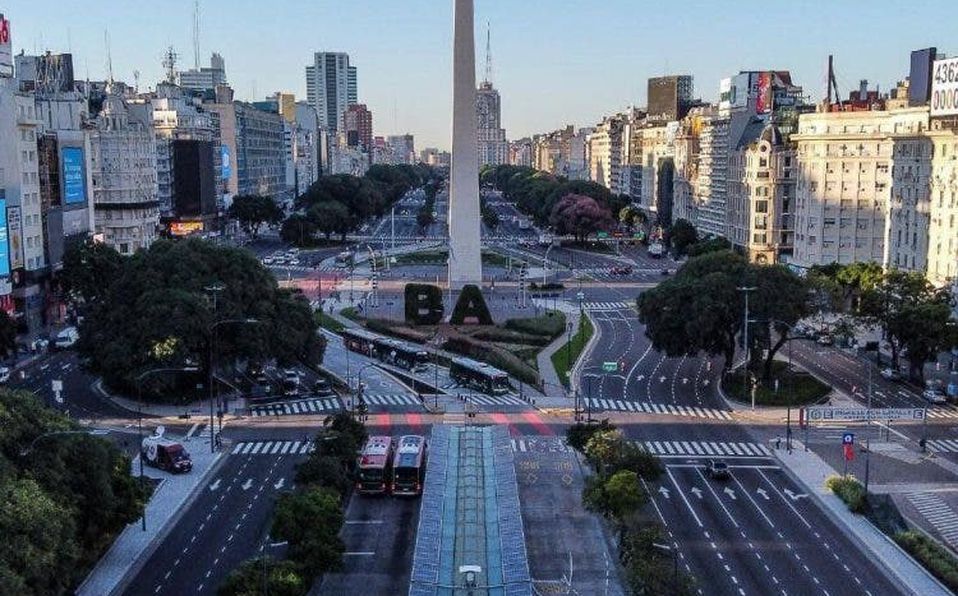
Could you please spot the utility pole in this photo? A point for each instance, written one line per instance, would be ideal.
(745, 380)
(214, 291)
(868, 435)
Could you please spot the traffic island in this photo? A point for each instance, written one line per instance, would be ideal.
(784, 387)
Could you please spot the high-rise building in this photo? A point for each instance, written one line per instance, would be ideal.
(204, 78)
(331, 87)
(401, 148)
(669, 98)
(307, 147)
(521, 153)
(493, 147)
(605, 152)
(123, 161)
(358, 127)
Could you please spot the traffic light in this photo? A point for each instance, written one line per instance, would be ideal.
(621, 365)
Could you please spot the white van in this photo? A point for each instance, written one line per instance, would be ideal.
(67, 338)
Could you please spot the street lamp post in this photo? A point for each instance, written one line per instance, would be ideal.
(745, 383)
(212, 380)
(139, 413)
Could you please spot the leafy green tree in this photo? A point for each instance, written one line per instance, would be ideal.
(707, 246)
(253, 211)
(157, 312)
(262, 576)
(650, 570)
(924, 330)
(39, 550)
(580, 215)
(88, 269)
(310, 521)
(490, 218)
(632, 217)
(602, 448)
(353, 431)
(8, 335)
(298, 230)
(424, 219)
(682, 235)
(578, 435)
(325, 470)
(616, 496)
(331, 217)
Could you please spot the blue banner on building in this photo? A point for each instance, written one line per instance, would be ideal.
(74, 176)
(225, 158)
(4, 246)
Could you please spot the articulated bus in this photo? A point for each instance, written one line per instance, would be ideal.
(375, 466)
(409, 466)
(391, 351)
(480, 376)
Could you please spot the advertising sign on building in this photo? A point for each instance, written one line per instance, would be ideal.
(4, 247)
(763, 97)
(725, 94)
(15, 231)
(74, 176)
(225, 158)
(6, 53)
(185, 228)
(944, 87)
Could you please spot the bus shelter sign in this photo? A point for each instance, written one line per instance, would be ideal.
(824, 414)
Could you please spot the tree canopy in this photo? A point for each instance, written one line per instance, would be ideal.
(682, 235)
(88, 269)
(580, 216)
(157, 311)
(253, 211)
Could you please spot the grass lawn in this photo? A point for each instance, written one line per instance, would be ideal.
(566, 356)
(351, 313)
(797, 388)
(327, 322)
(439, 257)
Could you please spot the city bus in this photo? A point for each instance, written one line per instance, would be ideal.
(375, 466)
(479, 376)
(409, 466)
(385, 349)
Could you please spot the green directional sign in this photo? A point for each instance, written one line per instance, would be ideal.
(602, 235)
(610, 366)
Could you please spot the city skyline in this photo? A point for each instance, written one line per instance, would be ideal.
(406, 72)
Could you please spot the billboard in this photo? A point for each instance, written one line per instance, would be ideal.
(725, 94)
(74, 175)
(225, 160)
(763, 96)
(6, 53)
(15, 232)
(944, 87)
(185, 228)
(739, 91)
(4, 247)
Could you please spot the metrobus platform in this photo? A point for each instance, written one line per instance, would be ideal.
(470, 539)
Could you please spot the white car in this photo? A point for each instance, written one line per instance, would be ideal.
(934, 396)
(67, 338)
(4, 374)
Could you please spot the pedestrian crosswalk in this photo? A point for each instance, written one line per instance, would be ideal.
(273, 448)
(942, 445)
(606, 306)
(539, 444)
(650, 408)
(704, 448)
(496, 400)
(943, 412)
(299, 407)
(304, 407)
(938, 513)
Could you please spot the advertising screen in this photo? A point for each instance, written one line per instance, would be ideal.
(4, 247)
(74, 176)
(15, 234)
(225, 158)
(185, 228)
(763, 100)
(6, 53)
(944, 87)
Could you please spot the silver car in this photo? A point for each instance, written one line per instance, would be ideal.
(934, 396)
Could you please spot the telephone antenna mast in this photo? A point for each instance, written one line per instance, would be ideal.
(169, 63)
(109, 56)
(196, 34)
(488, 53)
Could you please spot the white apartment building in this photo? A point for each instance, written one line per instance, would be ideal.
(942, 259)
(331, 87)
(859, 172)
(123, 163)
(710, 195)
(605, 153)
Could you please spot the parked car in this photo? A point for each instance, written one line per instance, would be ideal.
(825, 340)
(717, 470)
(66, 339)
(890, 374)
(621, 270)
(4, 374)
(322, 388)
(934, 396)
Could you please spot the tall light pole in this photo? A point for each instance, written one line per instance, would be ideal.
(745, 383)
(212, 380)
(139, 413)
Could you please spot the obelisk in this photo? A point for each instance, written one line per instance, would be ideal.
(465, 253)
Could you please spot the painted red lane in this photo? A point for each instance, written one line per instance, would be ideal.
(541, 427)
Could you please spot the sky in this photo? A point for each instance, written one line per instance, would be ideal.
(555, 62)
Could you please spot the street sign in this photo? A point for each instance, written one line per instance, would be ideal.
(580, 295)
(56, 385)
(610, 366)
(602, 235)
(829, 414)
(848, 439)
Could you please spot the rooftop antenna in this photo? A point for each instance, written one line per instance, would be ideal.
(136, 82)
(196, 34)
(169, 63)
(488, 78)
(109, 56)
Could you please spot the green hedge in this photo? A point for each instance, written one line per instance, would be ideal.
(795, 388)
(511, 337)
(933, 557)
(551, 325)
(565, 357)
(494, 356)
(328, 322)
(849, 490)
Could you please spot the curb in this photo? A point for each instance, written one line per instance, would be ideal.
(586, 351)
(859, 543)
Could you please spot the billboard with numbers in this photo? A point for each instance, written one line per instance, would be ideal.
(944, 87)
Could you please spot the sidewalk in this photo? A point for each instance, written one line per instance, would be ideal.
(811, 471)
(133, 546)
(154, 410)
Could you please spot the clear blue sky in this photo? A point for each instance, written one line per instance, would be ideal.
(555, 61)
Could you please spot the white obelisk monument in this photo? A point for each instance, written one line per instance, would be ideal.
(465, 254)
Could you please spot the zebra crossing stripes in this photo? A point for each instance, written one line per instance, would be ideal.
(650, 408)
(942, 445)
(395, 399)
(496, 400)
(606, 306)
(943, 412)
(933, 508)
(704, 448)
(273, 448)
(293, 408)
